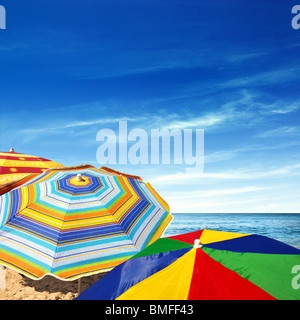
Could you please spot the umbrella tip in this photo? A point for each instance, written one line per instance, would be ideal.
(79, 177)
(11, 150)
(197, 243)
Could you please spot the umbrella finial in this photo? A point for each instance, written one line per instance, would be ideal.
(197, 243)
(11, 150)
(79, 177)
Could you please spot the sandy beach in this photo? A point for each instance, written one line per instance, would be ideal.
(18, 287)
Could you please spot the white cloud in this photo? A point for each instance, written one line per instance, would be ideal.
(258, 204)
(265, 78)
(233, 112)
(281, 131)
(286, 108)
(246, 56)
(222, 155)
(77, 124)
(249, 199)
(200, 194)
(240, 174)
(242, 111)
(205, 121)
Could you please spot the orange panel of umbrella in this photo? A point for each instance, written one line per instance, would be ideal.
(18, 168)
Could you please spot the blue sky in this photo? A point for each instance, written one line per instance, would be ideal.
(71, 68)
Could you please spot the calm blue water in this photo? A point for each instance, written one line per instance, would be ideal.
(282, 227)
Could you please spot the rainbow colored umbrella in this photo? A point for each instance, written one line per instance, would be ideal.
(73, 222)
(206, 264)
(17, 168)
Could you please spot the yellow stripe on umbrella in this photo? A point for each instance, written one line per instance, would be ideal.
(17, 168)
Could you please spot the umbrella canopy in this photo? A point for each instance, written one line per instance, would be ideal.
(76, 221)
(205, 264)
(17, 168)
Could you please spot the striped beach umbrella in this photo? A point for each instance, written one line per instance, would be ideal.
(17, 168)
(208, 265)
(77, 221)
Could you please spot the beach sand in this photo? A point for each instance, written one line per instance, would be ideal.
(18, 287)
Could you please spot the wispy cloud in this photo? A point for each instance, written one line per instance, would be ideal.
(224, 155)
(221, 155)
(265, 78)
(239, 174)
(279, 107)
(262, 202)
(216, 200)
(240, 58)
(200, 194)
(232, 112)
(78, 124)
(286, 108)
(205, 121)
(227, 113)
(280, 132)
(239, 112)
(244, 111)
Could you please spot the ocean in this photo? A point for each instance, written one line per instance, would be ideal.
(282, 227)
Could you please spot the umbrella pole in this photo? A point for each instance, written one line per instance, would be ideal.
(79, 286)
